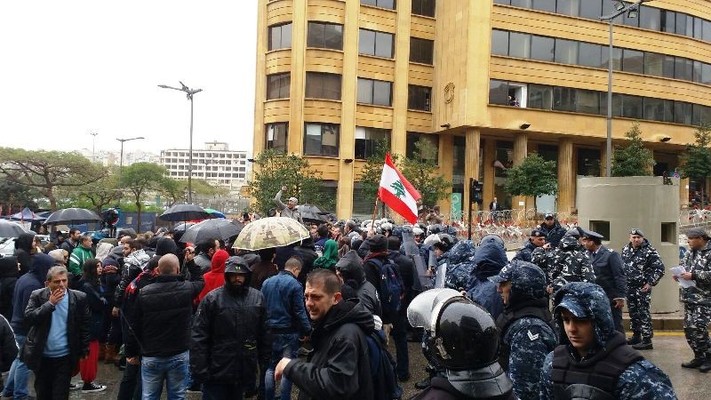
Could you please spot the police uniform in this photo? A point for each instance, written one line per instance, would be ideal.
(642, 266)
(611, 369)
(697, 302)
(566, 263)
(525, 254)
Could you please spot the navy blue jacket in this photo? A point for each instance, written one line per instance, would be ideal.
(286, 311)
(609, 272)
(34, 279)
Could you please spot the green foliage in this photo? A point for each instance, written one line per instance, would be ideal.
(14, 196)
(696, 162)
(274, 169)
(103, 193)
(373, 168)
(175, 190)
(533, 177)
(47, 171)
(141, 178)
(633, 159)
(423, 173)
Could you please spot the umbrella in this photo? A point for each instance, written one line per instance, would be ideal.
(11, 229)
(215, 213)
(270, 232)
(184, 212)
(211, 229)
(311, 213)
(27, 215)
(72, 216)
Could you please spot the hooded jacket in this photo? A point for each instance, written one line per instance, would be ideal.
(132, 266)
(339, 367)
(351, 269)
(642, 265)
(330, 255)
(216, 276)
(34, 279)
(23, 251)
(566, 263)
(639, 379)
(489, 258)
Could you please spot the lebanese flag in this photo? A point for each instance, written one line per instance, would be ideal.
(397, 192)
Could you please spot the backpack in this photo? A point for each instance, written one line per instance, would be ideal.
(391, 288)
(382, 369)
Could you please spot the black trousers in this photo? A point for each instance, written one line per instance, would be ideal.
(53, 377)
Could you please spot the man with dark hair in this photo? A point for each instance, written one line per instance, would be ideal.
(339, 367)
(552, 229)
(82, 252)
(205, 250)
(535, 240)
(71, 241)
(264, 268)
(59, 321)
(350, 269)
(134, 260)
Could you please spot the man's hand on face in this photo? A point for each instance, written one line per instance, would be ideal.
(56, 296)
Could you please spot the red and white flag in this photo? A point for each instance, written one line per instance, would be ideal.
(397, 192)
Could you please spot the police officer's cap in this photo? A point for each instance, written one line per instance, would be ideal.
(549, 216)
(697, 233)
(571, 303)
(574, 232)
(504, 275)
(236, 265)
(636, 232)
(584, 233)
(537, 233)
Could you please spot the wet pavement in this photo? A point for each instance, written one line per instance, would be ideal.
(670, 350)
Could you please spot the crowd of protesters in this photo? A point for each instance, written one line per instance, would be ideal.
(232, 324)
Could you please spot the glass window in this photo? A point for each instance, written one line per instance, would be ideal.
(423, 7)
(629, 21)
(654, 64)
(588, 162)
(520, 45)
(389, 4)
(522, 3)
(280, 36)
(498, 92)
(616, 58)
(669, 62)
(682, 112)
(706, 73)
(566, 51)
(368, 139)
(278, 86)
(564, 99)
(321, 140)
(616, 104)
(375, 43)
(325, 36)
(706, 31)
(499, 42)
(540, 96)
(430, 141)
(701, 115)
(418, 97)
(633, 61)
(507, 2)
(376, 92)
(683, 68)
(698, 26)
(697, 70)
(684, 24)
(421, 50)
(668, 21)
(276, 135)
(654, 109)
(320, 85)
(650, 18)
(591, 9)
(590, 55)
(542, 48)
(569, 7)
(587, 101)
(544, 5)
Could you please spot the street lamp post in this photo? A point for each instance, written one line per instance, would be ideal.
(189, 92)
(93, 146)
(631, 9)
(121, 156)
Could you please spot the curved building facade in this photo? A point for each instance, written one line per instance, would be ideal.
(483, 82)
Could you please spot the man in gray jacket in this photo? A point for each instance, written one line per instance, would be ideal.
(289, 209)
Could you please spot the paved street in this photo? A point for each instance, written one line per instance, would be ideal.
(670, 349)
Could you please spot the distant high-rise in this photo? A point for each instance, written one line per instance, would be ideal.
(216, 164)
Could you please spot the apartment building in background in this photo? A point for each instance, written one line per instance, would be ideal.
(215, 163)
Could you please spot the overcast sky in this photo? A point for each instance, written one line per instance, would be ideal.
(68, 68)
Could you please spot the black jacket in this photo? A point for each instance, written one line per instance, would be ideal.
(97, 302)
(8, 349)
(8, 278)
(609, 272)
(408, 273)
(229, 337)
(339, 367)
(161, 316)
(441, 389)
(38, 319)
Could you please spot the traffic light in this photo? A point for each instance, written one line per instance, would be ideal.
(476, 191)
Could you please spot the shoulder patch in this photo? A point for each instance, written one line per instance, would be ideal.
(533, 337)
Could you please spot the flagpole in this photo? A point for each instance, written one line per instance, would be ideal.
(375, 210)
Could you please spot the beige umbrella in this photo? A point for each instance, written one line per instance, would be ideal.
(270, 232)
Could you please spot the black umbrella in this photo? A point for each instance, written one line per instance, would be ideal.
(72, 216)
(184, 212)
(11, 229)
(211, 229)
(311, 213)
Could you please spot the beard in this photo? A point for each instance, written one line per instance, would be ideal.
(236, 288)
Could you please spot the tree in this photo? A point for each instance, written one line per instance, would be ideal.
(14, 196)
(140, 178)
(423, 173)
(274, 169)
(533, 177)
(102, 193)
(48, 171)
(633, 159)
(175, 190)
(373, 168)
(696, 162)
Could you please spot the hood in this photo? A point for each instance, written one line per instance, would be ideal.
(41, 263)
(569, 242)
(528, 282)
(349, 311)
(217, 263)
(103, 250)
(490, 256)
(166, 245)
(351, 267)
(585, 300)
(25, 242)
(462, 252)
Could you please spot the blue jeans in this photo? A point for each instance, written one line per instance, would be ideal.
(172, 370)
(283, 345)
(16, 385)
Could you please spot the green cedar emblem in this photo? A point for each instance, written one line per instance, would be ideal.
(398, 188)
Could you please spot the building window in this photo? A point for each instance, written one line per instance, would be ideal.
(321, 140)
(325, 36)
(498, 92)
(421, 50)
(418, 97)
(375, 43)
(566, 51)
(367, 141)
(542, 48)
(633, 61)
(430, 142)
(375, 92)
(423, 7)
(499, 42)
(276, 136)
(278, 86)
(321, 85)
(280, 36)
(389, 4)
